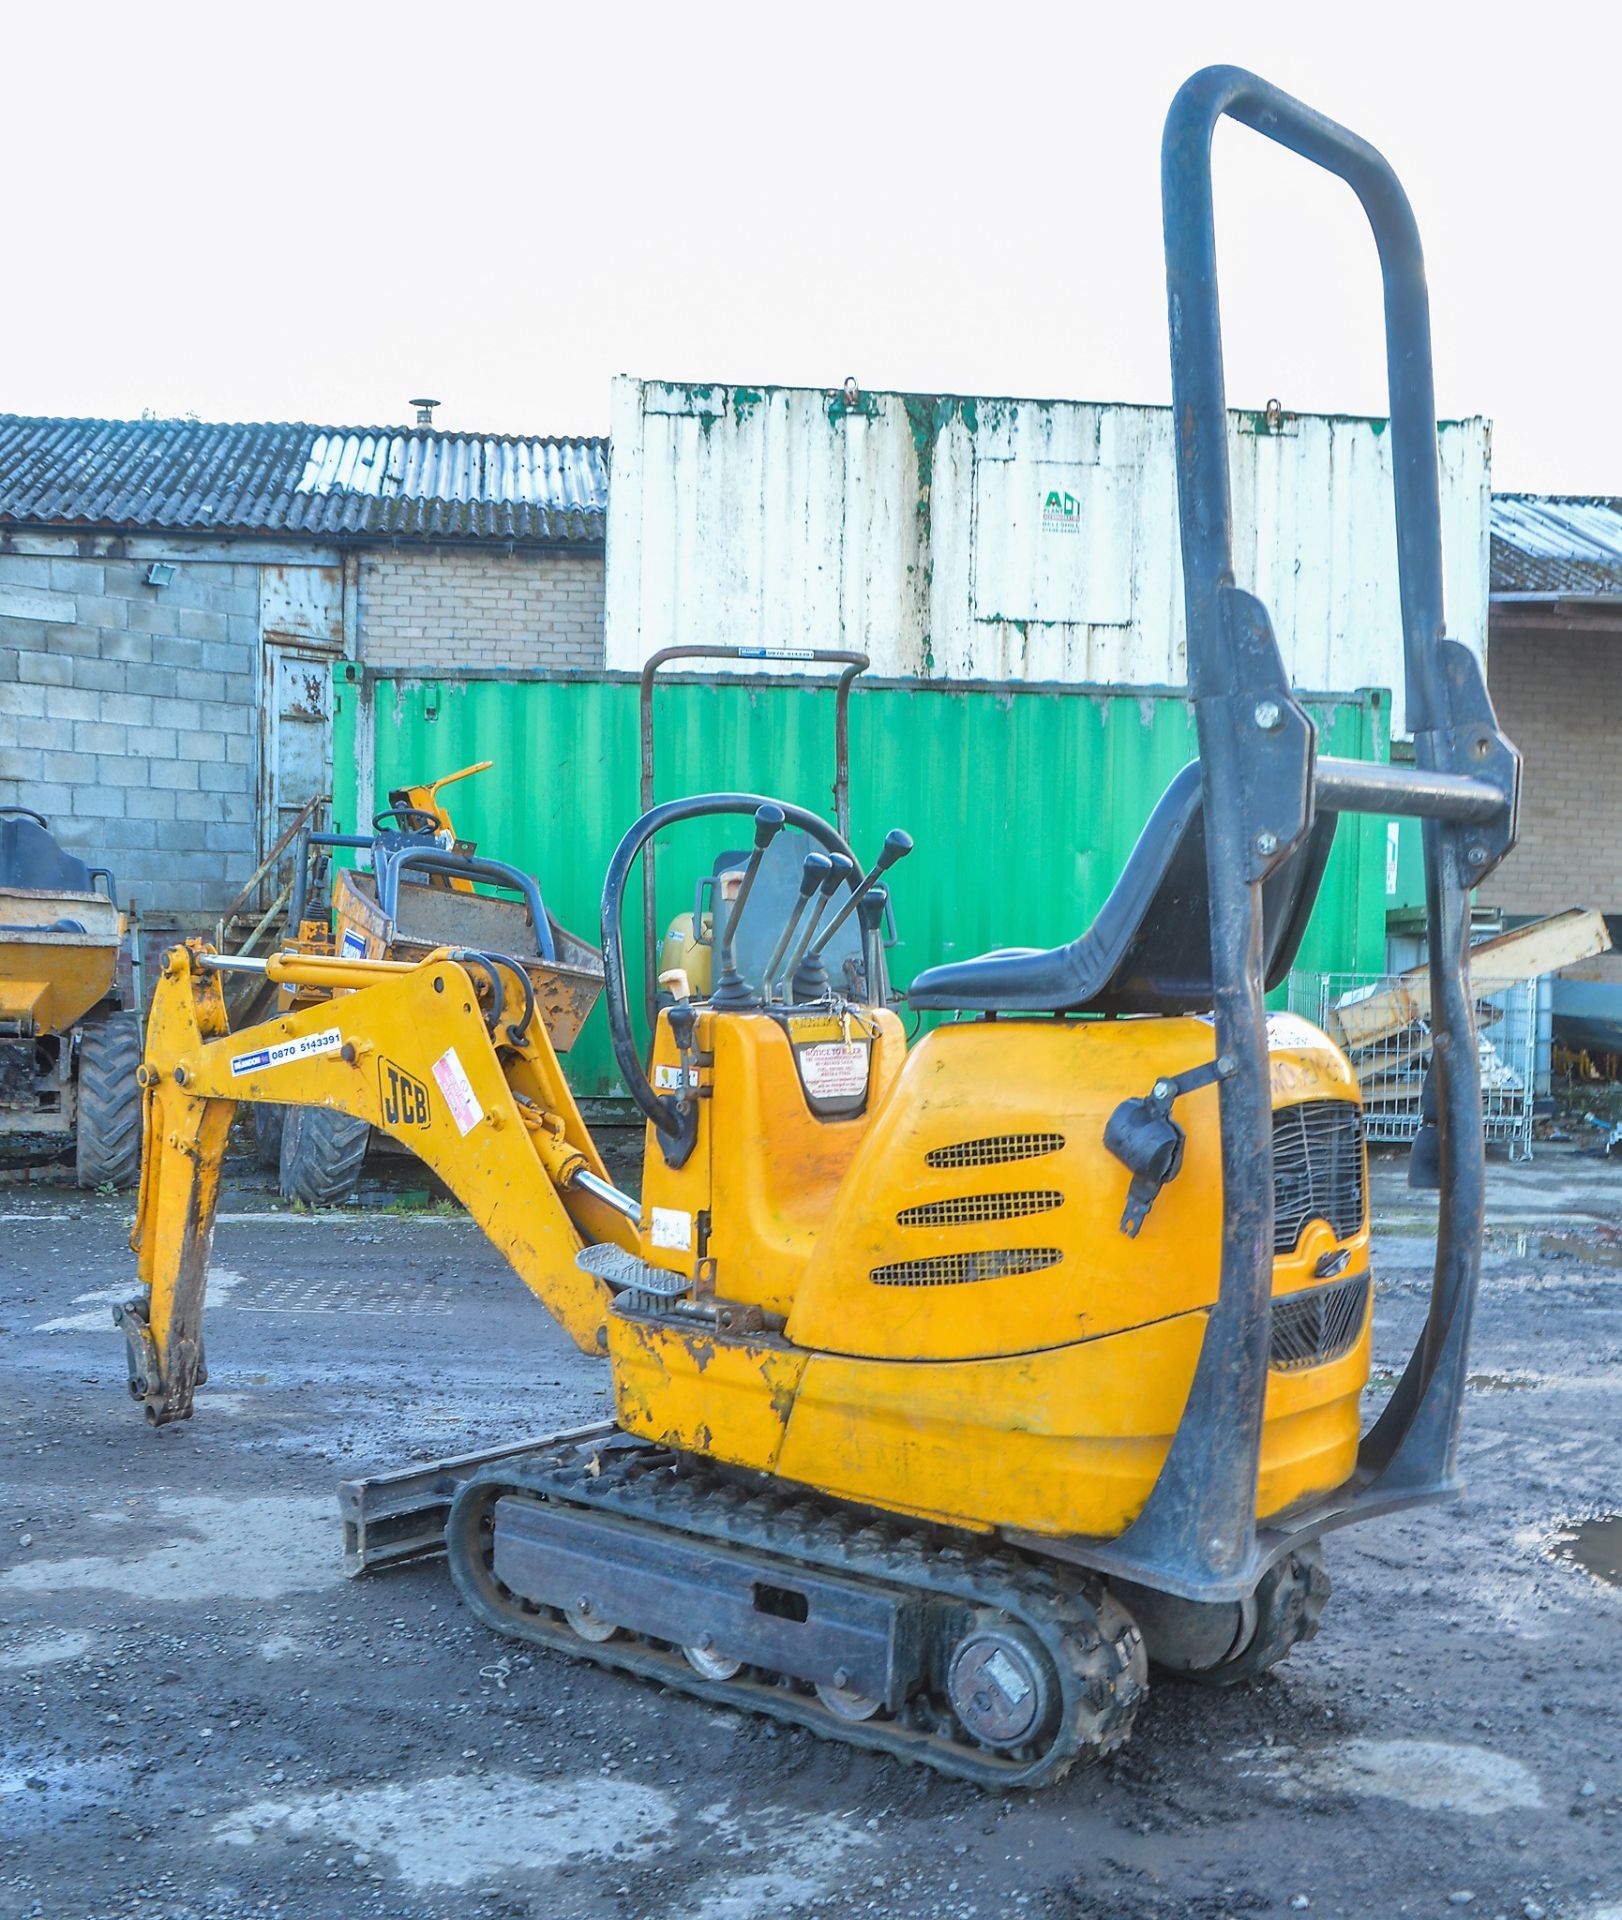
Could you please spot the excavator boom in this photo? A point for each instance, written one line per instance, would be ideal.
(407, 1048)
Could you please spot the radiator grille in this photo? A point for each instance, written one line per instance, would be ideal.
(1310, 1329)
(969, 1208)
(956, 1269)
(996, 1151)
(1317, 1169)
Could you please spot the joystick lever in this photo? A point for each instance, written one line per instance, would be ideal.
(840, 870)
(810, 976)
(811, 877)
(732, 990)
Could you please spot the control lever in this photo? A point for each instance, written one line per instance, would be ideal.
(870, 914)
(810, 975)
(816, 865)
(801, 986)
(732, 990)
(683, 1020)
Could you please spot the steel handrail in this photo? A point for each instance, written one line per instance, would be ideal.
(853, 663)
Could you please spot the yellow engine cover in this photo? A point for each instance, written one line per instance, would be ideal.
(972, 1337)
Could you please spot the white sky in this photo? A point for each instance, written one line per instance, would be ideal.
(315, 212)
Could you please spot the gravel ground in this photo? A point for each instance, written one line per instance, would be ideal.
(202, 1717)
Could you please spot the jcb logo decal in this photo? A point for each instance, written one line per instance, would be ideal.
(404, 1097)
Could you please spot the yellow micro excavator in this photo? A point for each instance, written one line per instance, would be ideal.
(953, 1387)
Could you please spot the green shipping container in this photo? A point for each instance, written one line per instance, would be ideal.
(1024, 801)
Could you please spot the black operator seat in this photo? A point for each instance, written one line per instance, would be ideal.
(1149, 950)
(30, 858)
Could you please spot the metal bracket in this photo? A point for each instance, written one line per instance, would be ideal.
(1146, 1140)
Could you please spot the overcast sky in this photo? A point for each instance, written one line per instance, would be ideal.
(316, 212)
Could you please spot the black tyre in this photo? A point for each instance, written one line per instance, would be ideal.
(107, 1142)
(322, 1153)
(1221, 1644)
(268, 1123)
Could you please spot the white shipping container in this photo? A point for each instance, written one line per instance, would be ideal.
(987, 539)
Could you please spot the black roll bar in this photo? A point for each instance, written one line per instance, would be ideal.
(1197, 1535)
(464, 866)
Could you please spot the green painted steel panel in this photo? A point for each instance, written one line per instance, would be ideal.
(1024, 802)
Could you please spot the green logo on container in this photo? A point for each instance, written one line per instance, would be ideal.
(1061, 512)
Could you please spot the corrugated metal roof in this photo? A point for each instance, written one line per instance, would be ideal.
(1562, 546)
(199, 476)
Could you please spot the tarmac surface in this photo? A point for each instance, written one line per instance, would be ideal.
(200, 1716)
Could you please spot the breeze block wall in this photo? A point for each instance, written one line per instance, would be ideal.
(128, 718)
(1559, 698)
(427, 607)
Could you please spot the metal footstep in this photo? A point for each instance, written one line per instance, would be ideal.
(628, 1273)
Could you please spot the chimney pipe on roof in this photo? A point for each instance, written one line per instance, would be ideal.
(425, 412)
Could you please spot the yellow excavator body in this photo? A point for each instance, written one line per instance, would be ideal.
(965, 1333)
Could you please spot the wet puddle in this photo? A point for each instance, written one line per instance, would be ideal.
(1500, 1382)
(1595, 1546)
(1595, 1246)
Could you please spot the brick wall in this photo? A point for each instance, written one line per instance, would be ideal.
(127, 716)
(451, 607)
(1559, 698)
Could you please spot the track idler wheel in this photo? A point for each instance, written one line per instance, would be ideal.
(1002, 1684)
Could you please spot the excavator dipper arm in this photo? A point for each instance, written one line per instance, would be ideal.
(407, 1048)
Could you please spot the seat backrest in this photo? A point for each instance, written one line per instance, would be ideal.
(29, 857)
(1153, 933)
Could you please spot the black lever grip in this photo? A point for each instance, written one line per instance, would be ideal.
(732, 990)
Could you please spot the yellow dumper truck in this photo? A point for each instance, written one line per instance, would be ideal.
(69, 1048)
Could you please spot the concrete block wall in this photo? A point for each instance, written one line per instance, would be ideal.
(128, 716)
(456, 607)
(1559, 698)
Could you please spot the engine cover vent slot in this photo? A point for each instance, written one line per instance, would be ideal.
(995, 1151)
(1317, 1169)
(958, 1269)
(968, 1209)
(1311, 1329)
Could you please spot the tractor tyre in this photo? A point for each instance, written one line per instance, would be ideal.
(107, 1136)
(268, 1122)
(322, 1153)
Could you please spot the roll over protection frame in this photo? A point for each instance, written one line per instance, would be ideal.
(1197, 1535)
(852, 663)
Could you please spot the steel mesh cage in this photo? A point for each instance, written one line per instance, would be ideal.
(1382, 1022)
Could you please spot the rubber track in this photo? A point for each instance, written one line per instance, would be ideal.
(322, 1153)
(1093, 1642)
(107, 1131)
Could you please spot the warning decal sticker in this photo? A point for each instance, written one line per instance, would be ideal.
(672, 1229)
(453, 1082)
(287, 1050)
(835, 1070)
